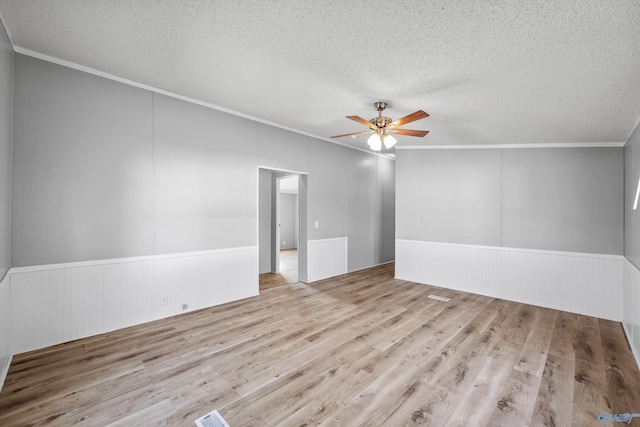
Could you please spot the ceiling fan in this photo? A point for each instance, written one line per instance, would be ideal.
(382, 127)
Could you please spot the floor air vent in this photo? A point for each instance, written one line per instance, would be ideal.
(212, 419)
(439, 298)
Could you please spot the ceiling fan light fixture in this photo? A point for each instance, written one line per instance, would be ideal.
(389, 141)
(375, 143)
(381, 127)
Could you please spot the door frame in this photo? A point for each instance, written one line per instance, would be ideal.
(277, 174)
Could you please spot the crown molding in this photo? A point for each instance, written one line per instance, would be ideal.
(499, 146)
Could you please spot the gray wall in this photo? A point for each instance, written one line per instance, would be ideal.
(371, 205)
(567, 199)
(450, 196)
(632, 217)
(83, 185)
(327, 187)
(201, 179)
(539, 198)
(105, 170)
(386, 206)
(6, 142)
(6, 139)
(288, 221)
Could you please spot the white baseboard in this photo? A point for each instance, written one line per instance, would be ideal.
(589, 284)
(63, 302)
(327, 258)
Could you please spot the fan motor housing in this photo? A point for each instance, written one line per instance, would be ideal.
(381, 121)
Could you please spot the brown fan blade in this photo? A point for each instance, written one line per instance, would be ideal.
(410, 118)
(362, 121)
(408, 132)
(355, 133)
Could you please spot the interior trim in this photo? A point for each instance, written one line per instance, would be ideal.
(494, 146)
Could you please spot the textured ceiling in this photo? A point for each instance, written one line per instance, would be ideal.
(488, 72)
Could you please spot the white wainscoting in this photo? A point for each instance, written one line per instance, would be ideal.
(589, 284)
(631, 304)
(5, 328)
(63, 302)
(327, 258)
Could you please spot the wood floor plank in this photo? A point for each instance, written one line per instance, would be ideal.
(451, 363)
(155, 415)
(326, 401)
(378, 400)
(533, 356)
(590, 397)
(554, 403)
(588, 343)
(624, 389)
(360, 349)
(427, 405)
(426, 339)
(452, 374)
(402, 324)
(72, 388)
(102, 410)
(615, 345)
(623, 378)
(483, 396)
(563, 341)
(326, 339)
(517, 400)
(297, 390)
(450, 366)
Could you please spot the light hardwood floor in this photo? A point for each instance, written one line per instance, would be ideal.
(359, 349)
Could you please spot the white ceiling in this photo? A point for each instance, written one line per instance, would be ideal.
(488, 72)
(289, 185)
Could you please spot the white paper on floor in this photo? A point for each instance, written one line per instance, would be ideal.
(212, 419)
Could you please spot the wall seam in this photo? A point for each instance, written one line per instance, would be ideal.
(624, 199)
(377, 221)
(346, 209)
(502, 197)
(421, 195)
(153, 171)
(13, 104)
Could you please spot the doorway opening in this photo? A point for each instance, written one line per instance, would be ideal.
(282, 231)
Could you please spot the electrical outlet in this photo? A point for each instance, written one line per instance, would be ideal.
(284, 243)
(164, 300)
